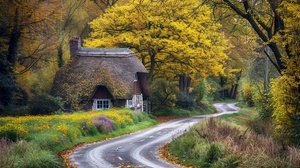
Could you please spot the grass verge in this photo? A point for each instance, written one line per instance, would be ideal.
(230, 141)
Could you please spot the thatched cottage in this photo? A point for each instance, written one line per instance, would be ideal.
(101, 78)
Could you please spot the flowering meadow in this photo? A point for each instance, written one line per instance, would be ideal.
(60, 131)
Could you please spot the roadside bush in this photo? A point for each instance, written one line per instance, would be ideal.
(214, 153)
(183, 146)
(200, 91)
(247, 94)
(44, 104)
(263, 105)
(213, 89)
(185, 101)
(163, 95)
(285, 98)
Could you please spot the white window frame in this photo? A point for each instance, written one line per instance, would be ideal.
(102, 104)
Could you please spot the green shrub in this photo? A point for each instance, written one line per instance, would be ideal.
(213, 89)
(163, 95)
(88, 128)
(183, 146)
(44, 104)
(190, 148)
(185, 101)
(14, 110)
(200, 91)
(263, 105)
(230, 161)
(247, 94)
(139, 117)
(214, 153)
(180, 112)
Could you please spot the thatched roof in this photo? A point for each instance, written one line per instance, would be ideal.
(114, 68)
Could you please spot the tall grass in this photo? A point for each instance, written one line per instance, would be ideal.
(25, 154)
(214, 143)
(6, 159)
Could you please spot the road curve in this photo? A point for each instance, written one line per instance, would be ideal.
(139, 149)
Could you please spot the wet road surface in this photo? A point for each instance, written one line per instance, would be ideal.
(139, 149)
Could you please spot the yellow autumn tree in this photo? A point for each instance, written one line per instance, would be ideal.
(170, 37)
(286, 89)
(276, 22)
(27, 40)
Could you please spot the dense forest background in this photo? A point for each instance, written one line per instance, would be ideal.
(195, 51)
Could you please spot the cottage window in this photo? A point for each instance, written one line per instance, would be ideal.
(129, 103)
(102, 104)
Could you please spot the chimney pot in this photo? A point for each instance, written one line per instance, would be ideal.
(75, 44)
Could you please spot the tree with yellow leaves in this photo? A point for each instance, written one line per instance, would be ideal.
(26, 37)
(170, 37)
(25, 21)
(276, 23)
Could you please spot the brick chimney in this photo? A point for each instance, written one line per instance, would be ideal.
(75, 44)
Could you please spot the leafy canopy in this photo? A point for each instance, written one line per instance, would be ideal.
(276, 23)
(170, 37)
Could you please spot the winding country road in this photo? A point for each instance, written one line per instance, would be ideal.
(139, 149)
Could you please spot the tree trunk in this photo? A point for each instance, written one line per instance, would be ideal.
(60, 59)
(13, 41)
(235, 91)
(152, 66)
(184, 83)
